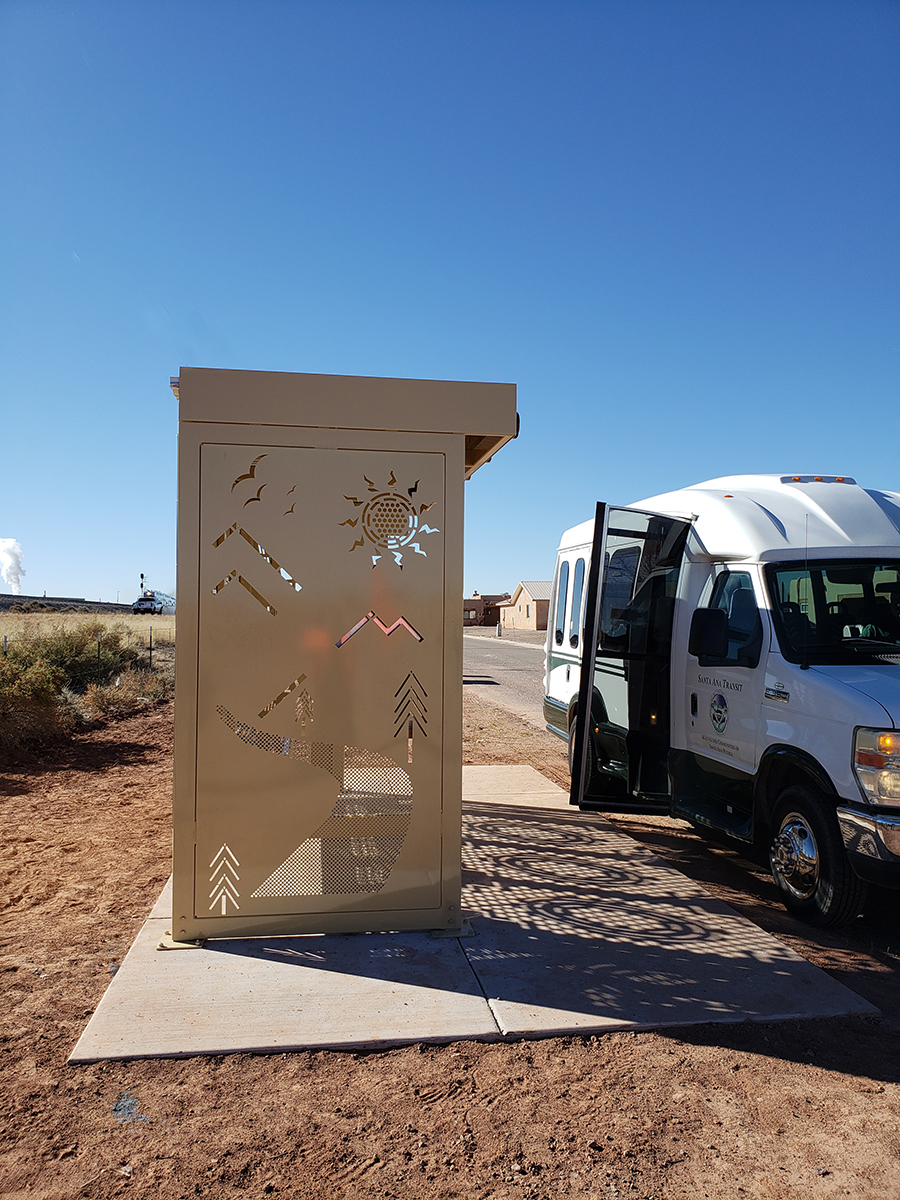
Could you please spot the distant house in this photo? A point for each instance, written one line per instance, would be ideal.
(528, 607)
(483, 610)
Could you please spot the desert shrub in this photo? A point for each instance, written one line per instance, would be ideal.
(127, 693)
(29, 709)
(73, 649)
(53, 679)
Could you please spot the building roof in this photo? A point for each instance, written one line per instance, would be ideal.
(502, 598)
(537, 589)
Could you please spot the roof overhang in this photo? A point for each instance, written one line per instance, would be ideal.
(483, 413)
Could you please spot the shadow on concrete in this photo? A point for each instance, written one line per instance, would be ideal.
(578, 929)
(864, 956)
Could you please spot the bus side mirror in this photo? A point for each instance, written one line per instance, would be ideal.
(709, 633)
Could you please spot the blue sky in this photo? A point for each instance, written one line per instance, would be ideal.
(672, 223)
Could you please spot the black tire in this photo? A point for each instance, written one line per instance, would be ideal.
(592, 774)
(809, 865)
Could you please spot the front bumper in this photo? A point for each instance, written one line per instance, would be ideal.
(872, 841)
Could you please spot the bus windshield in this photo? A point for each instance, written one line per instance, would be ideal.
(836, 611)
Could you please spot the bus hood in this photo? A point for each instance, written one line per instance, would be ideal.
(881, 682)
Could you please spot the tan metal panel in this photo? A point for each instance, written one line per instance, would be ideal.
(319, 662)
(321, 643)
(483, 413)
(348, 402)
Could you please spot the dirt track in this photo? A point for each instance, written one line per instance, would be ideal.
(804, 1109)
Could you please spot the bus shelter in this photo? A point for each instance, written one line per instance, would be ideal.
(319, 654)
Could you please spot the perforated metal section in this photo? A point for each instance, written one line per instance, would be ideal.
(354, 851)
(386, 519)
(334, 867)
(358, 771)
(365, 771)
(323, 755)
(362, 804)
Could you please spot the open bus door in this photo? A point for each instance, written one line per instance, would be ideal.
(622, 724)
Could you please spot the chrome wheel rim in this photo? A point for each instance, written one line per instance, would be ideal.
(795, 857)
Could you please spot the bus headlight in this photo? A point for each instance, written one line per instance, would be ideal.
(876, 763)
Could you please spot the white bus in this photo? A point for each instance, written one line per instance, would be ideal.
(745, 674)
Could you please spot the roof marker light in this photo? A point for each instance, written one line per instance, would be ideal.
(817, 479)
(728, 496)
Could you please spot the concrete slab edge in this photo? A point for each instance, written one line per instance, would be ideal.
(503, 1036)
(533, 1035)
(297, 1048)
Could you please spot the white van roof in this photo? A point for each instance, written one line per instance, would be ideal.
(761, 517)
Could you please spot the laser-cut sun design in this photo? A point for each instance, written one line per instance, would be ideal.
(390, 520)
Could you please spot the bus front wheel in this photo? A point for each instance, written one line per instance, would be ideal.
(811, 871)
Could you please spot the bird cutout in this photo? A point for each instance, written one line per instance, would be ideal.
(253, 499)
(251, 474)
(289, 511)
(293, 489)
(390, 520)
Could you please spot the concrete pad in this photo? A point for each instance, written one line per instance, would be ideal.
(522, 786)
(577, 928)
(580, 928)
(162, 909)
(311, 992)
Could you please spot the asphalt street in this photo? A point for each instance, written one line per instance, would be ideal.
(508, 674)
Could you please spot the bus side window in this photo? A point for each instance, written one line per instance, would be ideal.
(733, 592)
(618, 585)
(562, 592)
(577, 595)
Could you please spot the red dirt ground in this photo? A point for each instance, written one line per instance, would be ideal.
(790, 1110)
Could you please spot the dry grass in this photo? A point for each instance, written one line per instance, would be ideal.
(134, 627)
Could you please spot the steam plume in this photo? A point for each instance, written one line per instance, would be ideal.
(11, 564)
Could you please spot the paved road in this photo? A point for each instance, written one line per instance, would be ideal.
(508, 674)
